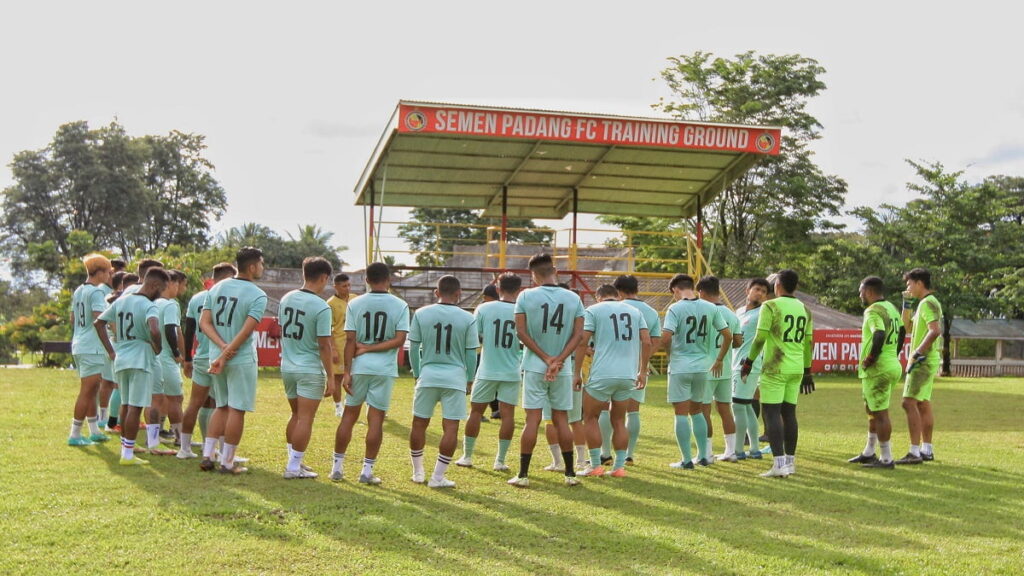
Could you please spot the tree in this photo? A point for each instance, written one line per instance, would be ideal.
(767, 217)
(278, 252)
(433, 244)
(313, 241)
(128, 193)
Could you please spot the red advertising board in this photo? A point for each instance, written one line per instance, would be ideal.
(268, 344)
(620, 131)
(839, 351)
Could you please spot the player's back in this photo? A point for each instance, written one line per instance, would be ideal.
(444, 332)
(500, 356)
(616, 327)
(881, 315)
(733, 322)
(231, 302)
(194, 311)
(170, 314)
(789, 339)
(694, 325)
(550, 312)
(651, 316)
(928, 310)
(376, 317)
(86, 300)
(130, 315)
(748, 318)
(303, 317)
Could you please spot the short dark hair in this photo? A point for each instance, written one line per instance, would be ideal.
(315, 266)
(509, 283)
(921, 275)
(874, 284)
(377, 272)
(491, 291)
(540, 260)
(160, 268)
(154, 274)
(789, 280)
(145, 264)
(759, 282)
(129, 278)
(709, 284)
(177, 275)
(118, 264)
(627, 284)
(448, 285)
(117, 280)
(224, 270)
(247, 256)
(681, 281)
(340, 277)
(606, 291)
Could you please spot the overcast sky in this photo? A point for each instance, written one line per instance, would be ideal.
(292, 96)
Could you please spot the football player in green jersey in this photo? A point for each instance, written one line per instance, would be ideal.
(306, 359)
(87, 303)
(719, 389)
(879, 369)
(785, 334)
(443, 341)
(923, 362)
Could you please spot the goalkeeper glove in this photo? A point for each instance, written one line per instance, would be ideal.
(917, 359)
(807, 384)
(745, 369)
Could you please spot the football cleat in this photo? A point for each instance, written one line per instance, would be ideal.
(876, 463)
(207, 465)
(740, 456)
(418, 477)
(80, 441)
(234, 470)
(500, 466)
(185, 454)
(618, 473)
(371, 480)
(629, 461)
(519, 482)
(704, 462)
(592, 471)
(133, 462)
(776, 472)
(442, 483)
(910, 459)
(465, 462)
(727, 457)
(862, 459)
(682, 465)
(572, 481)
(555, 467)
(300, 473)
(99, 438)
(924, 457)
(335, 476)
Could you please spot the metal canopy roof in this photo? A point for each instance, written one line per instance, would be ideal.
(541, 163)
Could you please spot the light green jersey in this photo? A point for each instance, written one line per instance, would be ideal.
(443, 333)
(928, 310)
(748, 326)
(785, 334)
(86, 300)
(550, 312)
(501, 354)
(694, 325)
(616, 328)
(130, 317)
(651, 316)
(882, 316)
(304, 318)
(195, 312)
(231, 302)
(376, 317)
(170, 315)
(733, 322)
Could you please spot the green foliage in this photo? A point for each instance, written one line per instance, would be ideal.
(278, 252)
(433, 244)
(48, 321)
(768, 217)
(17, 301)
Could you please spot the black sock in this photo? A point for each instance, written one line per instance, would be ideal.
(776, 430)
(570, 468)
(757, 407)
(524, 465)
(790, 430)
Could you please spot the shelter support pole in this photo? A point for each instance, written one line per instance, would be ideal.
(369, 241)
(573, 264)
(700, 237)
(503, 243)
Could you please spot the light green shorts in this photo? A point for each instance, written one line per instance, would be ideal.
(614, 389)
(719, 390)
(538, 394)
(235, 386)
(687, 386)
(744, 390)
(426, 398)
(485, 391)
(779, 388)
(918, 384)
(158, 377)
(878, 385)
(574, 414)
(108, 369)
(309, 386)
(170, 373)
(201, 372)
(91, 364)
(374, 390)
(136, 387)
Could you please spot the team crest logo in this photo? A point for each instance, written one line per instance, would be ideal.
(415, 121)
(765, 142)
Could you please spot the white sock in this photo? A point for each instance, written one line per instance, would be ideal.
(94, 427)
(886, 451)
(556, 454)
(103, 414)
(176, 429)
(368, 466)
(730, 444)
(209, 447)
(339, 405)
(339, 460)
(152, 436)
(441, 466)
(186, 442)
(581, 455)
(127, 449)
(417, 461)
(76, 428)
(926, 448)
(295, 460)
(869, 448)
(290, 449)
(915, 450)
(227, 456)
(711, 451)
(790, 460)
(780, 461)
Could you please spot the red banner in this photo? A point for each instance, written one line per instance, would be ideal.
(268, 345)
(839, 351)
(587, 129)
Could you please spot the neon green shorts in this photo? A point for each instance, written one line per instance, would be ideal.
(687, 386)
(235, 386)
(374, 390)
(744, 390)
(719, 390)
(877, 387)
(91, 364)
(309, 386)
(452, 400)
(918, 384)
(614, 389)
(485, 391)
(779, 388)
(538, 394)
(170, 373)
(136, 387)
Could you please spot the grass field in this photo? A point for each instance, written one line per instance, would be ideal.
(74, 510)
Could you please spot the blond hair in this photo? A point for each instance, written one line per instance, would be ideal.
(95, 263)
